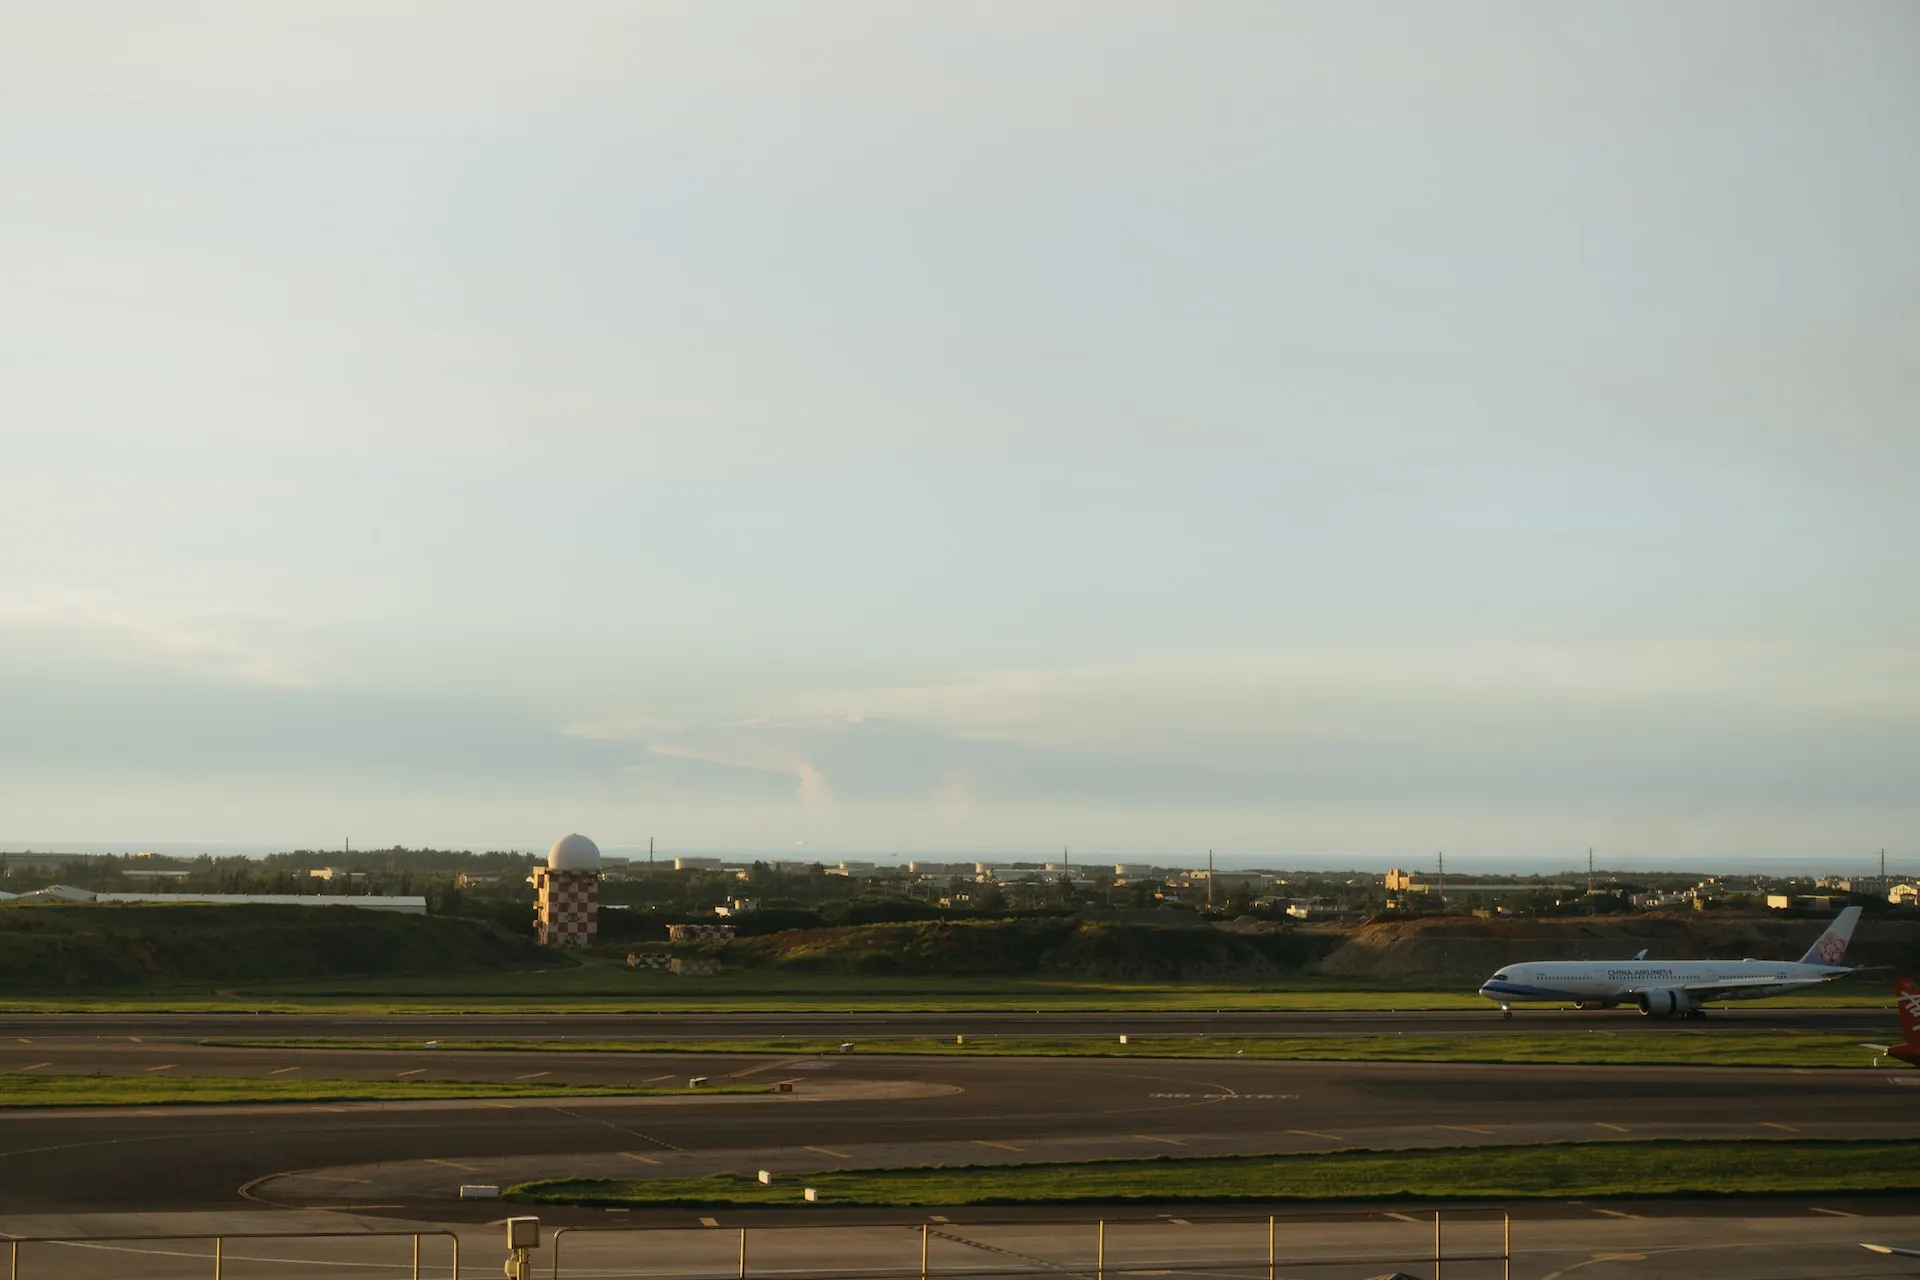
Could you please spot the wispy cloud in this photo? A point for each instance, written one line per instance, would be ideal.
(120, 631)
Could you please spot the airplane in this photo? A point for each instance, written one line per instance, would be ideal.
(1672, 988)
(1908, 1050)
(1887, 1248)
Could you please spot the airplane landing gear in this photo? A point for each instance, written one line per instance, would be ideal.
(1506, 1011)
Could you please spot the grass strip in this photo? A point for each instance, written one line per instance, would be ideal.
(605, 989)
(18, 1090)
(1576, 1169)
(1663, 1047)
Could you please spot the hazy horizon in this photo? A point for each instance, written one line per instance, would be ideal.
(1462, 865)
(1470, 427)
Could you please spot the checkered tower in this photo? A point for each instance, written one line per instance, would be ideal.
(567, 893)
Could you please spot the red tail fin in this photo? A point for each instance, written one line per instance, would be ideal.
(1909, 997)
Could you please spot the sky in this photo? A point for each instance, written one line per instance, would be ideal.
(1348, 430)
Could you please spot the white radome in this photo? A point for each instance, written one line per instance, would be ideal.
(573, 853)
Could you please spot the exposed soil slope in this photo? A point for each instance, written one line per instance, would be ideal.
(75, 947)
(1074, 948)
(1459, 950)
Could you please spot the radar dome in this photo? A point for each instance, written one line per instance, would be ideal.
(574, 853)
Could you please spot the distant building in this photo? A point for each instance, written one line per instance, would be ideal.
(405, 905)
(1904, 895)
(697, 864)
(1800, 902)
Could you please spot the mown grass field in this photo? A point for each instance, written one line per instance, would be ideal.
(1666, 1047)
(17, 1090)
(1587, 1170)
(604, 988)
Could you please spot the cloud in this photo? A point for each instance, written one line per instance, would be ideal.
(130, 635)
(1681, 736)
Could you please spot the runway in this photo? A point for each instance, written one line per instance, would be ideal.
(410, 1159)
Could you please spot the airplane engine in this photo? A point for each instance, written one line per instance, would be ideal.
(1665, 1003)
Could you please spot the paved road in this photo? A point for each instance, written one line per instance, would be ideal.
(995, 1109)
(686, 1026)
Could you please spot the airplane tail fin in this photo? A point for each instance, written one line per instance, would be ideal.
(1831, 946)
(1908, 996)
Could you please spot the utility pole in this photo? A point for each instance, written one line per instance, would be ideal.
(1590, 902)
(1883, 868)
(649, 850)
(1209, 879)
(1441, 887)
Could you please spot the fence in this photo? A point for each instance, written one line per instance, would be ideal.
(1092, 1247)
(16, 1272)
(1268, 1265)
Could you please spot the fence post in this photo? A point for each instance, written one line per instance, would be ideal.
(1436, 1244)
(416, 1255)
(1100, 1253)
(1272, 1258)
(925, 1231)
(1506, 1246)
(219, 1256)
(743, 1253)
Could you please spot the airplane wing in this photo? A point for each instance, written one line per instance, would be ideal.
(1877, 1048)
(1887, 1248)
(1725, 984)
(1727, 988)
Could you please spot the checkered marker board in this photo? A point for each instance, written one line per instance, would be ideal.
(568, 907)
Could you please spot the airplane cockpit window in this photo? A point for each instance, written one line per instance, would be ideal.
(1501, 976)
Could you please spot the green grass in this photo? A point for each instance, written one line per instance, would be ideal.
(610, 988)
(1663, 1047)
(18, 1090)
(1584, 1170)
(599, 987)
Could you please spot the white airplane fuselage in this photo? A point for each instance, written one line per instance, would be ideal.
(1658, 987)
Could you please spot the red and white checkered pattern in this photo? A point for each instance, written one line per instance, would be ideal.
(568, 903)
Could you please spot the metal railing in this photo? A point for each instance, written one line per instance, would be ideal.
(220, 1240)
(1270, 1264)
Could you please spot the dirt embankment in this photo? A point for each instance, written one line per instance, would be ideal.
(1061, 948)
(1461, 950)
(73, 948)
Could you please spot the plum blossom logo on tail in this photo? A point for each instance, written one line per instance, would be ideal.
(1830, 949)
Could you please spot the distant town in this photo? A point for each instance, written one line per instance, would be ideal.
(640, 897)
